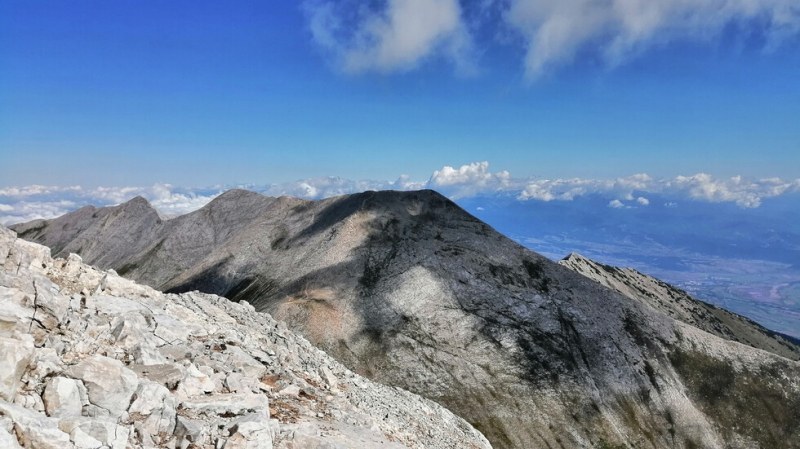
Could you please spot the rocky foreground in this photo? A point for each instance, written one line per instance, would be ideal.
(89, 359)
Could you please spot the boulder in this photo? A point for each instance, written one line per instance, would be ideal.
(110, 384)
(190, 432)
(153, 412)
(251, 431)
(86, 430)
(35, 430)
(8, 441)
(64, 397)
(15, 354)
(132, 333)
(7, 438)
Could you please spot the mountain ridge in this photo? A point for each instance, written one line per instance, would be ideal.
(411, 290)
(680, 305)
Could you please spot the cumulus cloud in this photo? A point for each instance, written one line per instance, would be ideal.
(24, 203)
(745, 193)
(569, 189)
(325, 187)
(702, 186)
(469, 180)
(555, 30)
(395, 35)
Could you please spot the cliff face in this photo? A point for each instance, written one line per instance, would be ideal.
(90, 359)
(410, 290)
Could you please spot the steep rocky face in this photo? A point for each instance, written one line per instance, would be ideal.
(412, 291)
(93, 360)
(680, 305)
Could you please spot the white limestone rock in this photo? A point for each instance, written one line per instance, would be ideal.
(195, 383)
(64, 397)
(35, 430)
(7, 438)
(110, 384)
(85, 431)
(251, 431)
(153, 412)
(134, 333)
(190, 432)
(15, 355)
(46, 362)
(226, 404)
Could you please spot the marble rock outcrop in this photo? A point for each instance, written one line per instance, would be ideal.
(91, 360)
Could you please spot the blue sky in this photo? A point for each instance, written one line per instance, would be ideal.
(205, 93)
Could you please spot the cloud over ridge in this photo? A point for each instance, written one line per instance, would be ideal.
(23, 203)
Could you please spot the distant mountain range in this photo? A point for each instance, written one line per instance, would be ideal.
(412, 291)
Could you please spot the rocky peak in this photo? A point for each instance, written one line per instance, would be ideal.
(235, 195)
(137, 205)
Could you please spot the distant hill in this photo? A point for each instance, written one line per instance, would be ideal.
(410, 290)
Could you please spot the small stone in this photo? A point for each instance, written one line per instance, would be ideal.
(291, 390)
(195, 383)
(327, 375)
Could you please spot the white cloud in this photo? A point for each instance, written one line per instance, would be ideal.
(745, 193)
(325, 187)
(396, 36)
(556, 30)
(702, 186)
(569, 189)
(24, 203)
(469, 180)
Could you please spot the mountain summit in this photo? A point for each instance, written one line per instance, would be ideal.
(412, 291)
